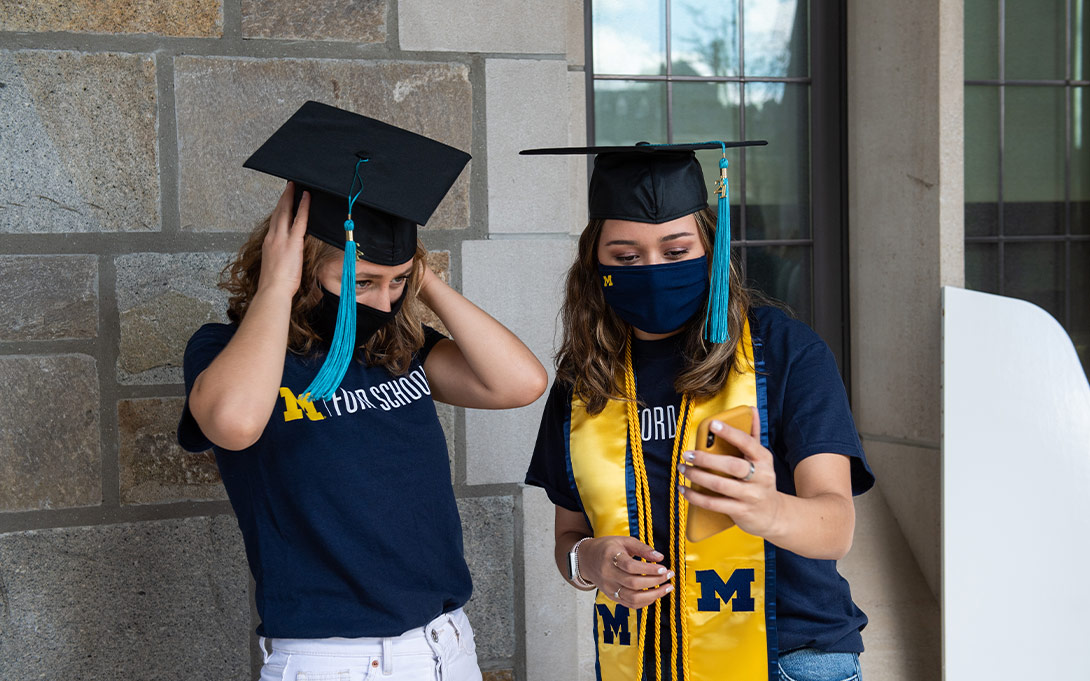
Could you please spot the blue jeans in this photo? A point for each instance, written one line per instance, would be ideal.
(808, 664)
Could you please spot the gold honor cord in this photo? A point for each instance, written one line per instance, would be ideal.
(678, 547)
(645, 529)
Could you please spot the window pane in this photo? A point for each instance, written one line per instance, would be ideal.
(981, 160)
(982, 267)
(981, 39)
(1080, 160)
(778, 176)
(626, 112)
(1035, 272)
(1033, 160)
(629, 37)
(1034, 40)
(706, 111)
(704, 38)
(1080, 39)
(1079, 325)
(709, 111)
(776, 38)
(783, 272)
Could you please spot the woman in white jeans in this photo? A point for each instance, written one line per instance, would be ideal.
(319, 406)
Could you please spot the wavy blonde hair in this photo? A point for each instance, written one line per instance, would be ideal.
(392, 346)
(591, 356)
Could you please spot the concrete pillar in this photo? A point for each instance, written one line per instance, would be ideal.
(905, 91)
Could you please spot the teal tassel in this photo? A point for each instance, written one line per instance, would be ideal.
(344, 337)
(716, 330)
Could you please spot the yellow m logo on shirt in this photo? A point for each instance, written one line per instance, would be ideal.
(294, 407)
(607, 280)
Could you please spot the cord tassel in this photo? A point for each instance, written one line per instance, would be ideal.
(716, 330)
(344, 337)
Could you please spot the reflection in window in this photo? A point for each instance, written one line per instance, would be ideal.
(629, 37)
(627, 111)
(704, 38)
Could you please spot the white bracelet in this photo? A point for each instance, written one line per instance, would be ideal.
(573, 555)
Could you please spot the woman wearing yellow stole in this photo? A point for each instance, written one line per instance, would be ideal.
(659, 334)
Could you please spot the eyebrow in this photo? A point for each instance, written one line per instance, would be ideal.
(671, 237)
(375, 275)
(668, 237)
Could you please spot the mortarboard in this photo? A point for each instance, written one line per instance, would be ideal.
(402, 177)
(371, 184)
(656, 183)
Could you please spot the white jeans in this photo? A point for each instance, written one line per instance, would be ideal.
(442, 650)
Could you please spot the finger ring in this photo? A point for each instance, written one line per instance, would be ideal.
(752, 470)
(619, 553)
(617, 594)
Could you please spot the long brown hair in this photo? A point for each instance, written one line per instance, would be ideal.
(392, 346)
(591, 355)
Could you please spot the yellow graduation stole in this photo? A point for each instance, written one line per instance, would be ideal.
(723, 604)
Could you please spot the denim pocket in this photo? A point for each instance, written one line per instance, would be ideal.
(272, 672)
(340, 675)
(808, 664)
(467, 641)
(353, 674)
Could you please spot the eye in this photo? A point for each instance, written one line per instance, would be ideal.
(626, 258)
(399, 281)
(363, 283)
(676, 253)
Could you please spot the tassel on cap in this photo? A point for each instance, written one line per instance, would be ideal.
(715, 329)
(344, 337)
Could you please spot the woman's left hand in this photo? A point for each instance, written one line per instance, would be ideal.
(749, 494)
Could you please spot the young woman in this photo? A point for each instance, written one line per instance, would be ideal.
(343, 491)
(617, 450)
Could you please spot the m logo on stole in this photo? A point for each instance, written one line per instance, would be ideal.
(735, 591)
(614, 624)
(607, 280)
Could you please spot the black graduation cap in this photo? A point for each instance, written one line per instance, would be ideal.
(645, 182)
(401, 177)
(656, 183)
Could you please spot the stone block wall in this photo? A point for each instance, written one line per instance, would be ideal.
(123, 127)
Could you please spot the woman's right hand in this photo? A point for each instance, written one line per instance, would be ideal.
(610, 563)
(282, 250)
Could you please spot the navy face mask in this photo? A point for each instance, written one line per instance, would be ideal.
(656, 298)
(323, 318)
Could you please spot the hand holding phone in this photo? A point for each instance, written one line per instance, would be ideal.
(703, 523)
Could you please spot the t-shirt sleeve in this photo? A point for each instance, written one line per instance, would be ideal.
(203, 347)
(550, 466)
(816, 416)
(431, 337)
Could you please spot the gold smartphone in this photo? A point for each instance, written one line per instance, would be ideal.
(703, 523)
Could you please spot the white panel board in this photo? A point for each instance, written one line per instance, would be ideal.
(1016, 492)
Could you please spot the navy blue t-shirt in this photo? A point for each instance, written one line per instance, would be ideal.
(808, 413)
(345, 506)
